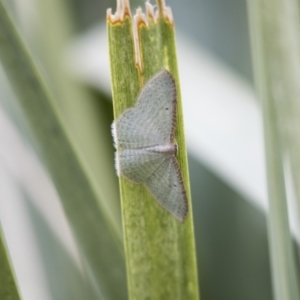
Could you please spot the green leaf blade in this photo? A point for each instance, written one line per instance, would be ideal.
(160, 250)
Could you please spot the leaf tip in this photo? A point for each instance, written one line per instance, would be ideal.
(123, 10)
(140, 18)
(150, 12)
(165, 12)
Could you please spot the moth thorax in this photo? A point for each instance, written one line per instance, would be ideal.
(167, 148)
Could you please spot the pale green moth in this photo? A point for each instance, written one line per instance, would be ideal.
(144, 139)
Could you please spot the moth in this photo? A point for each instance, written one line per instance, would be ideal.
(144, 139)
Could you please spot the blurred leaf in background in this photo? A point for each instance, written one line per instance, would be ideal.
(230, 224)
(8, 285)
(102, 250)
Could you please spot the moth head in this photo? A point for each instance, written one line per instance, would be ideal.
(114, 134)
(115, 138)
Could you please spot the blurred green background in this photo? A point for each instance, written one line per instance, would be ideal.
(230, 228)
